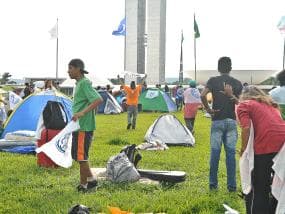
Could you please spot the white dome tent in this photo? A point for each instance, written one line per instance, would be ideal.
(160, 131)
(68, 85)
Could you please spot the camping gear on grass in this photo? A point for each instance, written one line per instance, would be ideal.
(123, 168)
(42, 159)
(153, 99)
(165, 176)
(109, 104)
(120, 169)
(59, 148)
(79, 209)
(54, 116)
(169, 130)
(27, 113)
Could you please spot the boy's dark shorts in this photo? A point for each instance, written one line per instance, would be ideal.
(81, 141)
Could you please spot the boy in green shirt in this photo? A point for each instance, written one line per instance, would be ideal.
(85, 100)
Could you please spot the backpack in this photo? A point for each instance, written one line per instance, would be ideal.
(53, 115)
(122, 167)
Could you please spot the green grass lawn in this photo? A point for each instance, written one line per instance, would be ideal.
(27, 188)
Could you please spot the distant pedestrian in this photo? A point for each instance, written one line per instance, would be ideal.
(27, 90)
(225, 91)
(132, 94)
(49, 85)
(85, 101)
(278, 93)
(179, 97)
(192, 101)
(166, 90)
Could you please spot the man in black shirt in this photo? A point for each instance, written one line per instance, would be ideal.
(225, 91)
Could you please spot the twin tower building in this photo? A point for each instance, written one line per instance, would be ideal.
(145, 39)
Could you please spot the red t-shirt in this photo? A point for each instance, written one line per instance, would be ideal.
(269, 128)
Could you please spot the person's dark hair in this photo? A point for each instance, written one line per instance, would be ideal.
(27, 84)
(281, 78)
(78, 63)
(133, 85)
(225, 64)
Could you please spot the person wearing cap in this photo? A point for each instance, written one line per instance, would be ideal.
(192, 100)
(85, 100)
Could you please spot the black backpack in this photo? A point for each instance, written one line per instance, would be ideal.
(52, 115)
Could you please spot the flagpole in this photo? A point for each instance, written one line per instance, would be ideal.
(195, 70)
(56, 74)
(284, 54)
(181, 61)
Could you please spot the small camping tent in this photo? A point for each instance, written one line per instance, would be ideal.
(109, 104)
(154, 99)
(169, 130)
(27, 113)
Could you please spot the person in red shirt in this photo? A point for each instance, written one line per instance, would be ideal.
(269, 136)
(132, 94)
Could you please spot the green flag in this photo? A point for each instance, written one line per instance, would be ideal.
(196, 29)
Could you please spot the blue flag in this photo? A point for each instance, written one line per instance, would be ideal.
(121, 31)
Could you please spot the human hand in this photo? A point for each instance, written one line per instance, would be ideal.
(77, 115)
(228, 90)
(212, 111)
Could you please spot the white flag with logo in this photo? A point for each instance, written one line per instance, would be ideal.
(53, 32)
(59, 148)
(14, 99)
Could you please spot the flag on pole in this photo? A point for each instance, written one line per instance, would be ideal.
(281, 25)
(121, 31)
(196, 29)
(53, 32)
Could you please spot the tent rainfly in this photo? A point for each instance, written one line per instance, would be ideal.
(160, 131)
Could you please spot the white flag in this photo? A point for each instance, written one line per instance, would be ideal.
(14, 99)
(53, 32)
(281, 25)
(59, 148)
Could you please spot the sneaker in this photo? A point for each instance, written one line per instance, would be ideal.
(129, 126)
(133, 127)
(92, 184)
(213, 187)
(81, 188)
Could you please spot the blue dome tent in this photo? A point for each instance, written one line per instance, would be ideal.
(26, 114)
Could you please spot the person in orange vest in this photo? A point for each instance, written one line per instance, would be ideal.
(132, 94)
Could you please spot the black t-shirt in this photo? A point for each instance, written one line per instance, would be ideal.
(221, 102)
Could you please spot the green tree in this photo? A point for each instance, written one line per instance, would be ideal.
(5, 77)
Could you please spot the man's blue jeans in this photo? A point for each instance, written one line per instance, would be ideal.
(223, 131)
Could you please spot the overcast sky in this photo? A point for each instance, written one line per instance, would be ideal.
(245, 30)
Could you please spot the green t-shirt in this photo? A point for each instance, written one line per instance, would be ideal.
(85, 95)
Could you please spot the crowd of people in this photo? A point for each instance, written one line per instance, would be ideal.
(232, 104)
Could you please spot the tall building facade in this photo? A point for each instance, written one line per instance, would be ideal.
(156, 37)
(134, 39)
(145, 18)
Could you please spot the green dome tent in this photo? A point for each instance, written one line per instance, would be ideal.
(154, 99)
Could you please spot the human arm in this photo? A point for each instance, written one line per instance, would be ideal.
(89, 108)
(204, 100)
(120, 81)
(244, 139)
(244, 119)
(228, 91)
(3, 101)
